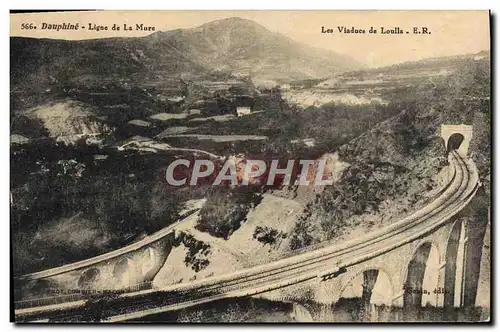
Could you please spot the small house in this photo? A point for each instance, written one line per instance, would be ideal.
(243, 110)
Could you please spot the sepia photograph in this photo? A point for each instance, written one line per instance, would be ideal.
(261, 166)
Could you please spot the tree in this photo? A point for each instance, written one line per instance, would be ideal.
(226, 209)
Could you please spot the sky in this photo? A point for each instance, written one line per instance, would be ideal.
(452, 32)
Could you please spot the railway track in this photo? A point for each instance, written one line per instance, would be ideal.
(320, 263)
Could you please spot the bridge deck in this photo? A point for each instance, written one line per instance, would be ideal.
(291, 270)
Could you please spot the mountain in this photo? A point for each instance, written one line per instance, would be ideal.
(232, 44)
(235, 44)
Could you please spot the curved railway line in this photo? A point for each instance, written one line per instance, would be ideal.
(319, 263)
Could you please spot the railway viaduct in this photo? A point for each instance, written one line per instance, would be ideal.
(429, 258)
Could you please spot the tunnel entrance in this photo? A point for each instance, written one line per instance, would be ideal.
(457, 137)
(455, 141)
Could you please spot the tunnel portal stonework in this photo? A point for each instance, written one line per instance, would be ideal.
(465, 130)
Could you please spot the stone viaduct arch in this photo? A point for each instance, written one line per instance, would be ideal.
(132, 269)
(433, 267)
(369, 287)
(88, 277)
(454, 266)
(370, 284)
(421, 278)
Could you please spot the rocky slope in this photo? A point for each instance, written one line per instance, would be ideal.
(400, 163)
(64, 120)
